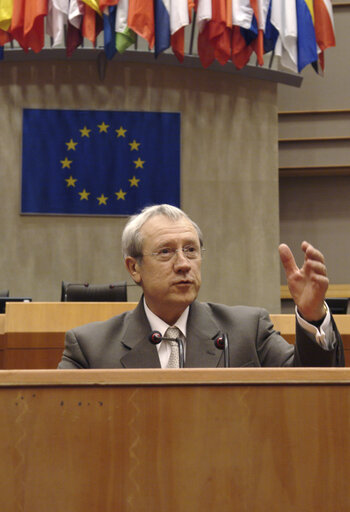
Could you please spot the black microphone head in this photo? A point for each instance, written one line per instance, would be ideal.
(155, 337)
(219, 342)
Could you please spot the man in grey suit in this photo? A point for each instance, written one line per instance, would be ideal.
(162, 250)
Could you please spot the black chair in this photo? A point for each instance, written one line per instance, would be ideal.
(4, 293)
(86, 292)
(338, 306)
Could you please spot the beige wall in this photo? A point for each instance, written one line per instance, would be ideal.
(229, 177)
(318, 208)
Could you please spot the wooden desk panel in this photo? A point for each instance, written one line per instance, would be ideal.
(286, 325)
(169, 440)
(333, 291)
(59, 316)
(2, 339)
(2, 324)
(34, 332)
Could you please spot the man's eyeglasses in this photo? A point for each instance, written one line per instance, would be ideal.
(167, 253)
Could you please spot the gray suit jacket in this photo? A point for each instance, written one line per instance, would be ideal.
(122, 341)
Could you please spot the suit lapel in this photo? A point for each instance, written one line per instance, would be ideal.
(200, 349)
(142, 354)
(201, 333)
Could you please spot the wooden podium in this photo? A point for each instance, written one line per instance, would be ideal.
(222, 440)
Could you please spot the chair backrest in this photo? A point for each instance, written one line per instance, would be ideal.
(86, 292)
(338, 306)
(4, 293)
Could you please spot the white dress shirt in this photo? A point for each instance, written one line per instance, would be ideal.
(157, 324)
(322, 334)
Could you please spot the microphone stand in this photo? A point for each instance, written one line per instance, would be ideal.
(226, 351)
(180, 346)
(221, 343)
(155, 337)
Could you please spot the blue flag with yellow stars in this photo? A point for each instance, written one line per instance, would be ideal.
(79, 162)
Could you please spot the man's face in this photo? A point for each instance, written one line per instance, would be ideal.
(169, 286)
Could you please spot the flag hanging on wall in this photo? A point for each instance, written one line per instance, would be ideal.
(78, 162)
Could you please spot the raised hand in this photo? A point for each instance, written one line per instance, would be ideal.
(308, 284)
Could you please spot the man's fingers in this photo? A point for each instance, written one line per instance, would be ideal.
(287, 259)
(311, 253)
(315, 267)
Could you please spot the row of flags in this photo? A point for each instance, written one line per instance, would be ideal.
(297, 31)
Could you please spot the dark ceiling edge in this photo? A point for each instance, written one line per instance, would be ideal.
(190, 61)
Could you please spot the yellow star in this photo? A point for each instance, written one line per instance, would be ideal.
(103, 127)
(66, 163)
(120, 194)
(121, 132)
(85, 132)
(70, 181)
(102, 199)
(71, 145)
(134, 182)
(84, 195)
(134, 145)
(139, 163)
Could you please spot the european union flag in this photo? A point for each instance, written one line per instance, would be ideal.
(79, 162)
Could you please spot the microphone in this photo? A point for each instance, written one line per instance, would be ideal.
(221, 342)
(155, 337)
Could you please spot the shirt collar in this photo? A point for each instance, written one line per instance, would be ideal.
(157, 324)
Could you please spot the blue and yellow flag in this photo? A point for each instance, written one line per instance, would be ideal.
(307, 46)
(79, 162)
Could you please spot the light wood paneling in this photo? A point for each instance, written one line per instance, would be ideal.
(334, 291)
(173, 440)
(59, 316)
(34, 335)
(2, 339)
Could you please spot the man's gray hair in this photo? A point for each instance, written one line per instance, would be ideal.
(132, 241)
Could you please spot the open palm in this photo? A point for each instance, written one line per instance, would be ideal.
(308, 284)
